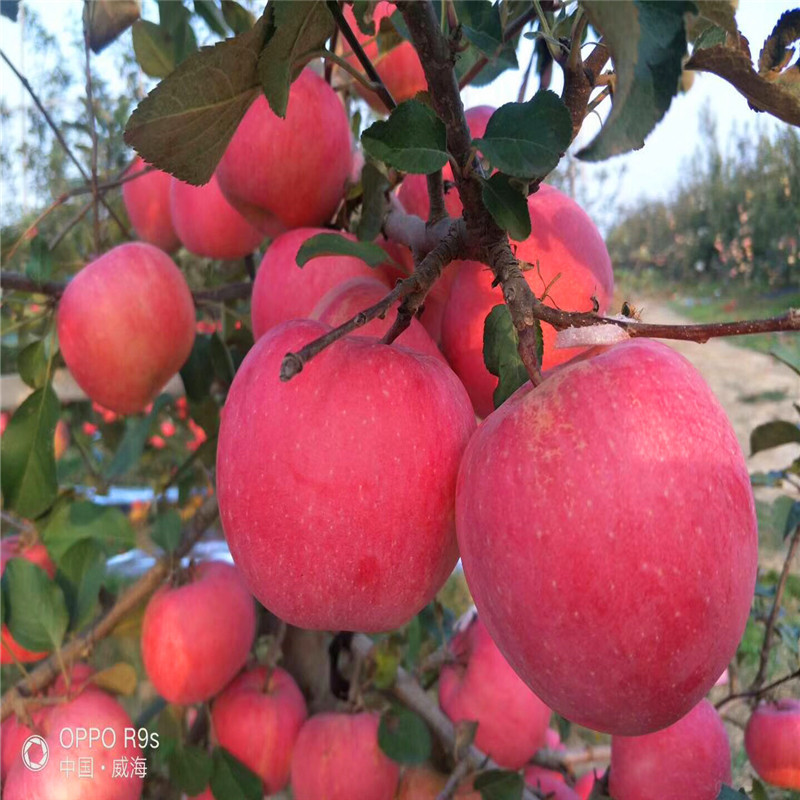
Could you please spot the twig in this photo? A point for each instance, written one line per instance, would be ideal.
(81, 645)
(776, 607)
(363, 59)
(567, 760)
(462, 769)
(74, 220)
(514, 27)
(758, 692)
(523, 87)
(331, 58)
(59, 201)
(92, 128)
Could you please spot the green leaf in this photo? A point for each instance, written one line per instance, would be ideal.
(404, 736)
(40, 260)
(167, 530)
(10, 9)
(37, 612)
(711, 14)
(184, 125)
(152, 45)
(332, 244)
(526, 140)
(758, 791)
(792, 520)
(105, 20)
(412, 139)
(190, 769)
(647, 40)
(207, 10)
(232, 780)
(72, 522)
(197, 373)
(726, 793)
(710, 37)
(119, 678)
(773, 434)
(507, 205)
(176, 19)
(221, 359)
(137, 431)
(81, 571)
(27, 455)
(500, 354)
(787, 356)
(374, 185)
(296, 30)
(499, 784)
(483, 28)
(33, 363)
(363, 11)
(237, 17)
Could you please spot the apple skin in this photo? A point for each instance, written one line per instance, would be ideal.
(388, 544)
(772, 742)
(691, 758)
(400, 68)
(147, 202)
(207, 224)
(481, 686)
(349, 298)
(585, 784)
(623, 467)
(420, 783)
(336, 756)
(258, 718)
(92, 708)
(292, 172)
(120, 352)
(550, 784)
(12, 547)
(564, 241)
(413, 191)
(284, 291)
(196, 637)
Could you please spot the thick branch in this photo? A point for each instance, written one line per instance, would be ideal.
(436, 197)
(46, 672)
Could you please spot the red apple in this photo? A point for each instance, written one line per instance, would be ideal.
(565, 242)
(257, 718)
(114, 739)
(61, 439)
(337, 757)
(286, 173)
(772, 742)
(146, 200)
(196, 637)
(420, 783)
(399, 68)
(552, 740)
(80, 675)
(481, 686)
(549, 784)
(126, 325)
(612, 554)
(13, 547)
(413, 191)
(585, 784)
(691, 758)
(349, 298)
(284, 291)
(207, 224)
(322, 540)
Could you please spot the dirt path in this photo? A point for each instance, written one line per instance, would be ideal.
(741, 379)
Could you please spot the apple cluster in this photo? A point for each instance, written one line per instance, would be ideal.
(604, 518)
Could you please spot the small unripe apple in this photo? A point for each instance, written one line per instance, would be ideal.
(126, 325)
(413, 191)
(623, 467)
(287, 173)
(60, 779)
(13, 547)
(336, 756)
(399, 68)
(482, 687)
(353, 296)
(321, 541)
(567, 256)
(146, 200)
(772, 742)
(207, 224)
(257, 719)
(284, 291)
(691, 758)
(196, 637)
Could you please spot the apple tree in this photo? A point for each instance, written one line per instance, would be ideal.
(290, 305)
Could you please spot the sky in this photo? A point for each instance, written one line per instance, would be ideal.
(651, 172)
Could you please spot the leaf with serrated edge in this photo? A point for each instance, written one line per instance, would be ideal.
(647, 41)
(507, 205)
(526, 140)
(299, 29)
(184, 125)
(332, 244)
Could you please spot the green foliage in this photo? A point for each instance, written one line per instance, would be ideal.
(413, 139)
(40, 260)
(232, 780)
(167, 530)
(501, 356)
(497, 784)
(374, 204)
(332, 244)
(773, 434)
(190, 768)
(404, 736)
(132, 445)
(81, 571)
(647, 40)
(507, 205)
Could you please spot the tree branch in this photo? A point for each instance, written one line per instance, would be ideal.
(436, 197)
(45, 672)
(758, 692)
(93, 130)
